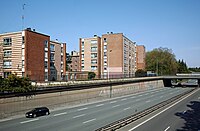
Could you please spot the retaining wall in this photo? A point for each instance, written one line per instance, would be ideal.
(20, 105)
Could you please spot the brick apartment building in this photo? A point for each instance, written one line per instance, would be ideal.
(111, 56)
(140, 55)
(118, 56)
(90, 55)
(75, 61)
(27, 53)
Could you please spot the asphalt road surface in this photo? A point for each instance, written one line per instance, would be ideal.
(92, 116)
(184, 115)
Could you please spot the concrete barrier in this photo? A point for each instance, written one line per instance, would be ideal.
(19, 105)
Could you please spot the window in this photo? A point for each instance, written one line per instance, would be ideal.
(93, 55)
(23, 41)
(46, 54)
(104, 39)
(46, 76)
(93, 67)
(105, 53)
(82, 67)
(22, 63)
(51, 64)
(52, 47)
(7, 41)
(93, 49)
(93, 61)
(82, 55)
(45, 64)
(82, 43)
(93, 41)
(82, 61)
(52, 57)
(61, 49)
(105, 47)
(7, 53)
(23, 52)
(82, 50)
(61, 58)
(7, 64)
(46, 44)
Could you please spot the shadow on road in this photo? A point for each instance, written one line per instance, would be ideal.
(191, 117)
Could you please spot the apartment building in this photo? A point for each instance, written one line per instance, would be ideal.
(57, 60)
(118, 56)
(25, 53)
(75, 61)
(141, 56)
(90, 55)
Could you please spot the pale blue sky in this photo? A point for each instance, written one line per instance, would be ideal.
(174, 24)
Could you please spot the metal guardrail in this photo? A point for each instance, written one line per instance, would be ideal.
(125, 121)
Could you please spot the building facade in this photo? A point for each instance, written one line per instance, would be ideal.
(141, 56)
(90, 55)
(75, 61)
(25, 53)
(118, 56)
(57, 60)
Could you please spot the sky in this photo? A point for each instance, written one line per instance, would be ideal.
(172, 24)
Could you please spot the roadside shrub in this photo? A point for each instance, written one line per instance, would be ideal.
(140, 73)
(91, 75)
(16, 84)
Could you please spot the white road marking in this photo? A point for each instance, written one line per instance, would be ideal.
(124, 99)
(147, 101)
(140, 95)
(161, 96)
(113, 102)
(82, 109)
(133, 97)
(127, 108)
(89, 121)
(99, 105)
(115, 106)
(172, 93)
(162, 111)
(79, 116)
(60, 114)
(29, 121)
(167, 128)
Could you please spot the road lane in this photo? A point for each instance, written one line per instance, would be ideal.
(97, 114)
(165, 119)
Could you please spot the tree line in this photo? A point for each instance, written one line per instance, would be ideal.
(162, 61)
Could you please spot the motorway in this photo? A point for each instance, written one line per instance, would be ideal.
(92, 116)
(183, 115)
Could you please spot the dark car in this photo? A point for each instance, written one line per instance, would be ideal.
(40, 111)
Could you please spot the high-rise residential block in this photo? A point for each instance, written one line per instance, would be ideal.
(26, 53)
(118, 56)
(57, 60)
(90, 55)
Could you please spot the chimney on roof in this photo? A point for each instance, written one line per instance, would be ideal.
(34, 30)
(95, 35)
(111, 32)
